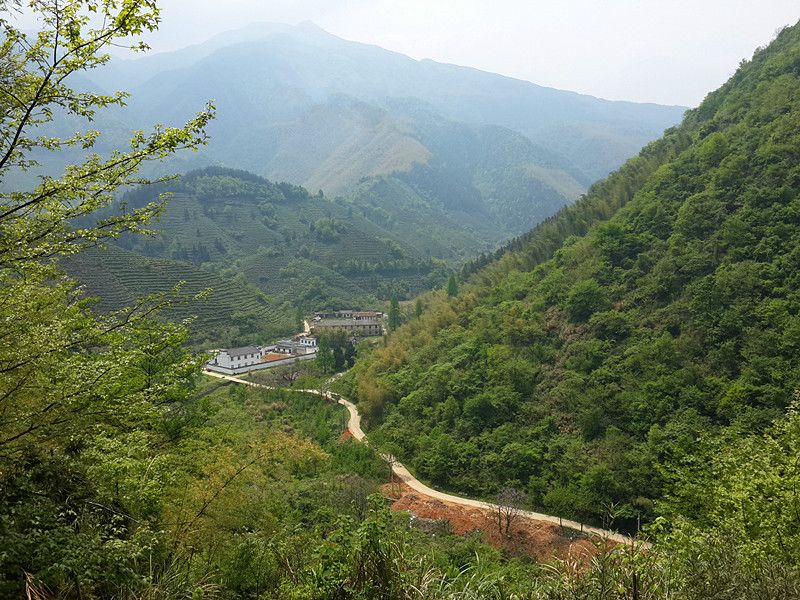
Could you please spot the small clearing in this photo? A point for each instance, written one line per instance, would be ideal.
(538, 540)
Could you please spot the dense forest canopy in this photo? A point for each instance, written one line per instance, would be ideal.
(596, 354)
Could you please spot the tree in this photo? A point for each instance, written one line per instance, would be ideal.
(325, 360)
(559, 501)
(584, 299)
(507, 510)
(85, 398)
(339, 360)
(353, 493)
(418, 308)
(452, 285)
(344, 352)
(394, 313)
(350, 353)
(35, 224)
(290, 375)
(388, 452)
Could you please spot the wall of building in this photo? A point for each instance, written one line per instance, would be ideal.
(223, 359)
(354, 328)
(257, 367)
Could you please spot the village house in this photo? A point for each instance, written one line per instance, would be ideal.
(350, 314)
(300, 345)
(367, 315)
(303, 346)
(251, 358)
(235, 358)
(356, 324)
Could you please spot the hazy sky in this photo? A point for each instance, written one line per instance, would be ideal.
(666, 51)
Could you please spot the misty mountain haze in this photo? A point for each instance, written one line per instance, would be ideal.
(272, 81)
(423, 166)
(440, 162)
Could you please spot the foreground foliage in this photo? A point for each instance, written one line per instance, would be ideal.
(256, 496)
(123, 474)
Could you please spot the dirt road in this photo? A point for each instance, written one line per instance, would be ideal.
(354, 426)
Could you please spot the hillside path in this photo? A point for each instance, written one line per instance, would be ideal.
(354, 427)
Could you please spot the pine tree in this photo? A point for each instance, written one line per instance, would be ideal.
(452, 286)
(326, 361)
(394, 313)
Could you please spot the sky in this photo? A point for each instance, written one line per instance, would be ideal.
(664, 51)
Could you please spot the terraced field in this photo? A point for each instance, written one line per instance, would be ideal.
(296, 277)
(234, 311)
(265, 249)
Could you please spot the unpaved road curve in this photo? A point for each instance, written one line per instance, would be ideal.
(354, 426)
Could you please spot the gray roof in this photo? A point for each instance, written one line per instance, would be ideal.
(234, 352)
(344, 323)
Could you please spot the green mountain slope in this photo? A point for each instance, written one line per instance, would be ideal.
(229, 308)
(592, 356)
(491, 180)
(266, 249)
(480, 184)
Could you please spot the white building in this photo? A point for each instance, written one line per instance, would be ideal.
(308, 341)
(235, 361)
(298, 346)
(235, 358)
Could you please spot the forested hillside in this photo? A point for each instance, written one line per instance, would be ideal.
(608, 346)
(268, 250)
(265, 251)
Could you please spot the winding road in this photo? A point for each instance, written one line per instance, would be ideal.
(354, 427)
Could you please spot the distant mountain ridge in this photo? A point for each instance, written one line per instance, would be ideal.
(423, 165)
(298, 104)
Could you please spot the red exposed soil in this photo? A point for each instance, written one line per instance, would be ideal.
(535, 539)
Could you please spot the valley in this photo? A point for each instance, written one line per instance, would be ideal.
(403, 180)
(592, 361)
(345, 324)
(407, 479)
